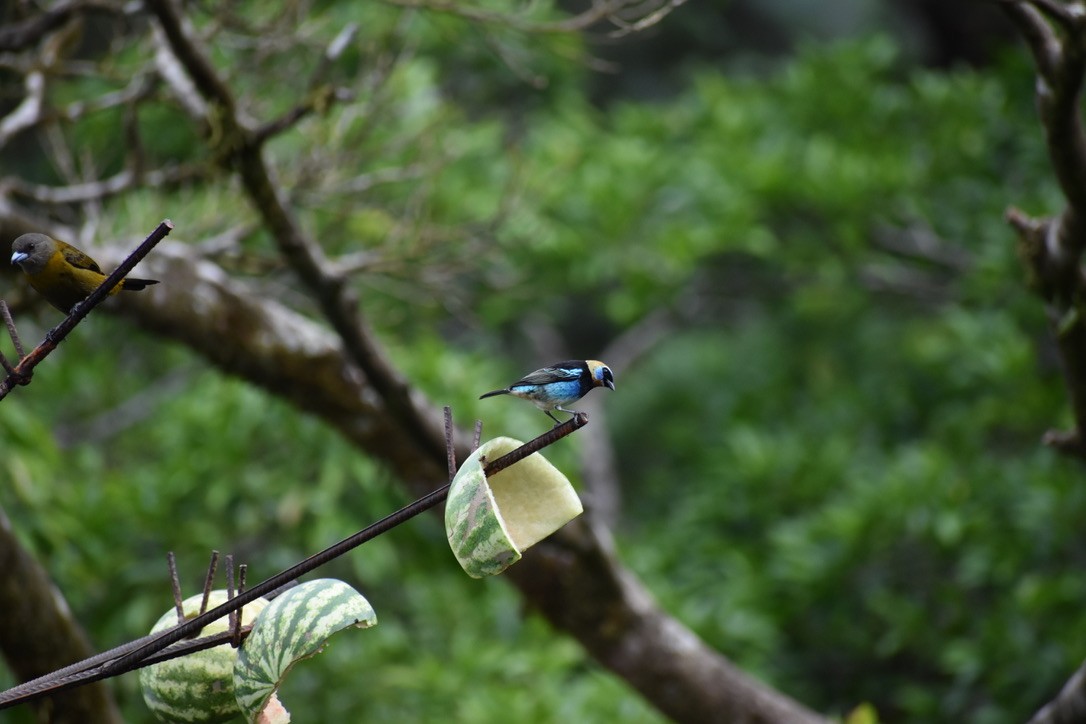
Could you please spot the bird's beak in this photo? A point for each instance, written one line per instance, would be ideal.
(609, 383)
(19, 257)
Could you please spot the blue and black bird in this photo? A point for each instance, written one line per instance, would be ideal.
(562, 383)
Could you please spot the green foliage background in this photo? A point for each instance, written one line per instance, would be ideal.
(831, 468)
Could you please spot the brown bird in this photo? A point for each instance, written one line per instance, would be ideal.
(61, 273)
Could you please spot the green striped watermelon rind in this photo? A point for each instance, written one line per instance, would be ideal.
(474, 527)
(489, 523)
(198, 687)
(293, 627)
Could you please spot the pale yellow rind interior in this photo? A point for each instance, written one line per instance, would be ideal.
(533, 497)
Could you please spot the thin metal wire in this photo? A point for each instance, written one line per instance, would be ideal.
(232, 617)
(175, 586)
(450, 449)
(550, 437)
(209, 579)
(477, 435)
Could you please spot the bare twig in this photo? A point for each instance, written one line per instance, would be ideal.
(194, 62)
(171, 71)
(477, 435)
(12, 331)
(317, 101)
(8, 367)
(25, 33)
(27, 113)
(601, 10)
(232, 617)
(228, 240)
(645, 22)
(235, 640)
(1056, 12)
(319, 96)
(140, 88)
(123, 180)
(450, 448)
(364, 182)
(1069, 706)
(14, 334)
(175, 587)
(1062, 64)
(332, 53)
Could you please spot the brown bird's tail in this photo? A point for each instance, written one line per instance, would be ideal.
(134, 285)
(495, 392)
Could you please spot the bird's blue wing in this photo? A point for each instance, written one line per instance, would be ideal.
(558, 373)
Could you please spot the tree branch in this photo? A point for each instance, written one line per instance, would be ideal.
(1052, 248)
(1037, 32)
(25, 33)
(301, 252)
(120, 182)
(649, 13)
(1069, 707)
(38, 635)
(585, 589)
(27, 113)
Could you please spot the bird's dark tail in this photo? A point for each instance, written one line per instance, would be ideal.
(134, 285)
(495, 392)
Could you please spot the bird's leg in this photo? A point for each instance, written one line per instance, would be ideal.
(573, 413)
(557, 422)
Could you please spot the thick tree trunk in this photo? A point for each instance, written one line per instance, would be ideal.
(38, 635)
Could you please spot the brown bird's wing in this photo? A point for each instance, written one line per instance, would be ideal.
(77, 258)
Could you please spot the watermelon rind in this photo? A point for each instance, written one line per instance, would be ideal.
(293, 627)
(489, 523)
(198, 687)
